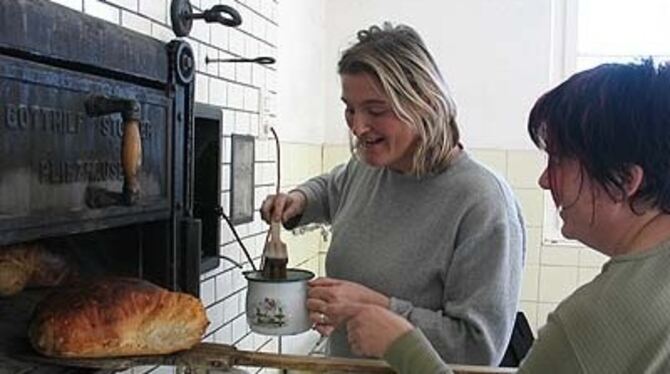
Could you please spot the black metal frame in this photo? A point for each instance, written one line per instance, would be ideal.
(207, 182)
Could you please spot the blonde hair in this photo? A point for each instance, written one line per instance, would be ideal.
(399, 59)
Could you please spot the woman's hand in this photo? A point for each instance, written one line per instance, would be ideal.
(371, 329)
(326, 291)
(283, 206)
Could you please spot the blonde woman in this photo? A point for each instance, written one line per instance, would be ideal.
(419, 227)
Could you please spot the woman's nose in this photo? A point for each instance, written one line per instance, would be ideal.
(543, 181)
(358, 125)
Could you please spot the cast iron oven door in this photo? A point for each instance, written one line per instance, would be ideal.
(55, 158)
(65, 170)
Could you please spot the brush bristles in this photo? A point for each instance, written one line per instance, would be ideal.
(275, 268)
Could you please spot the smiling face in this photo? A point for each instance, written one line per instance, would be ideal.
(382, 138)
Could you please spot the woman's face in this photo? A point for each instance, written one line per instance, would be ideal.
(588, 212)
(383, 139)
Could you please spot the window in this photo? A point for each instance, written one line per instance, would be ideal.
(621, 31)
(592, 32)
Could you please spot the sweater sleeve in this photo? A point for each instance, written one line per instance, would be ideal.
(413, 354)
(323, 194)
(481, 287)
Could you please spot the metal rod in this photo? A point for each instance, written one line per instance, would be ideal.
(239, 240)
(237, 264)
(263, 60)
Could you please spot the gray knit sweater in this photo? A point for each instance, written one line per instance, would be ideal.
(446, 248)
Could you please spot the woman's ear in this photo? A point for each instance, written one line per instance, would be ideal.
(634, 180)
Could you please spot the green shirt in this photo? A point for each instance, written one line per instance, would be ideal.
(617, 323)
(412, 353)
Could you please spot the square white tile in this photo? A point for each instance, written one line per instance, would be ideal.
(533, 245)
(532, 205)
(530, 283)
(524, 168)
(492, 158)
(559, 255)
(557, 282)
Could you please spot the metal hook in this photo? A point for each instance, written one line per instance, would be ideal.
(182, 16)
(216, 15)
(263, 60)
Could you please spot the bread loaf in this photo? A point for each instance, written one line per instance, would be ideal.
(116, 317)
(14, 276)
(30, 264)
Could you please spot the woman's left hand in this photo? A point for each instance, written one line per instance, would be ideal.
(371, 329)
(325, 291)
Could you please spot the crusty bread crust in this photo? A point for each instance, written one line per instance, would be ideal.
(114, 317)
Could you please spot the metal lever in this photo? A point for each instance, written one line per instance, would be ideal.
(182, 16)
(131, 145)
(263, 60)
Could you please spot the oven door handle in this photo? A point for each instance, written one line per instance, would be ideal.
(131, 142)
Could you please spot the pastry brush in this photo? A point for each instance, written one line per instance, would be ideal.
(276, 256)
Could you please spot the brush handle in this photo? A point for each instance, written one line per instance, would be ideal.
(275, 232)
(275, 248)
(276, 256)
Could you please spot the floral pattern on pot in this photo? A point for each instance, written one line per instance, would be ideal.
(270, 313)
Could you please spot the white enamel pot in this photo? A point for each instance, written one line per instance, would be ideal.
(278, 307)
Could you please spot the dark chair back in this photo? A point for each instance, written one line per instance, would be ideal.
(522, 339)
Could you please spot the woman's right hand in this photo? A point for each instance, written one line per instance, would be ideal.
(282, 207)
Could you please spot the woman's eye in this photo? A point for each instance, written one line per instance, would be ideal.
(377, 111)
